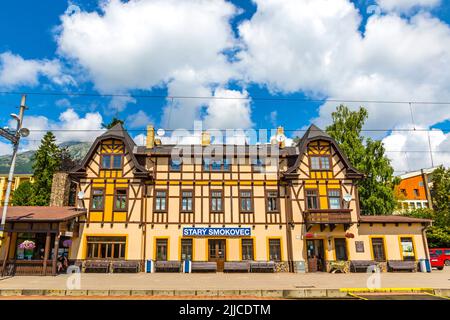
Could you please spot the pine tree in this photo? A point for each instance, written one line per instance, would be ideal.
(47, 160)
(23, 195)
(376, 190)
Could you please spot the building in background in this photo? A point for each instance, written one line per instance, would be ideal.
(413, 192)
(18, 179)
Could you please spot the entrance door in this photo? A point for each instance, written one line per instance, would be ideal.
(217, 249)
(316, 255)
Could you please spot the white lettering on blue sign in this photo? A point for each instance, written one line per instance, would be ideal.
(214, 232)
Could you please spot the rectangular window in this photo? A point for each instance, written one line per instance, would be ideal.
(312, 200)
(226, 164)
(407, 248)
(161, 249)
(206, 164)
(246, 201)
(120, 201)
(378, 249)
(247, 249)
(334, 197)
(175, 165)
(320, 163)
(186, 201)
(272, 201)
(416, 192)
(257, 165)
(106, 247)
(216, 165)
(186, 249)
(274, 250)
(340, 246)
(111, 161)
(216, 201)
(160, 200)
(97, 199)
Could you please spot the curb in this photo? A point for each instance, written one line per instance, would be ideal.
(283, 294)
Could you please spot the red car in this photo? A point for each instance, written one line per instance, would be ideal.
(440, 257)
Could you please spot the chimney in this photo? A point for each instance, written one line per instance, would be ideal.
(150, 136)
(59, 196)
(206, 138)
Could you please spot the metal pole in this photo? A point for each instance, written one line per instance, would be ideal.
(13, 164)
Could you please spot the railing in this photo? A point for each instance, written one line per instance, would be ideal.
(27, 267)
(328, 216)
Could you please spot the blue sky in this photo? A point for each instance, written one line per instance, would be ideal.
(350, 52)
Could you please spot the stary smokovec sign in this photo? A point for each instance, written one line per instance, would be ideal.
(214, 232)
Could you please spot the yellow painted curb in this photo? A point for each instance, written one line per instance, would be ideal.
(437, 295)
(386, 289)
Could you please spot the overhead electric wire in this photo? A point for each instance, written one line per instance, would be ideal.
(256, 98)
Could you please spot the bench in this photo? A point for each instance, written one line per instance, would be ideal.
(95, 266)
(125, 266)
(167, 266)
(400, 265)
(203, 266)
(236, 266)
(361, 265)
(262, 266)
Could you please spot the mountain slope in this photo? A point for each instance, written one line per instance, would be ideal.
(24, 160)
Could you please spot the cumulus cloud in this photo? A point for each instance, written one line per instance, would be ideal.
(15, 70)
(69, 127)
(410, 151)
(119, 103)
(407, 5)
(5, 148)
(316, 47)
(140, 44)
(138, 119)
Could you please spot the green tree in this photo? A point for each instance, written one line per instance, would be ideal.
(112, 123)
(376, 190)
(438, 235)
(23, 195)
(47, 160)
(440, 195)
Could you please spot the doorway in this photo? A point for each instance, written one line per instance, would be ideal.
(316, 255)
(217, 252)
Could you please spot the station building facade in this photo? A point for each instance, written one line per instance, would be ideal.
(303, 215)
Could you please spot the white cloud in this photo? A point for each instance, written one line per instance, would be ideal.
(410, 151)
(407, 5)
(138, 119)
(15, 70)
(316, 47)
(119, 103)
(140, 44)
(232, 112)
(70, 127)
(5, 148)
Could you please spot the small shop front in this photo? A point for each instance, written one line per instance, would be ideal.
(37, 240)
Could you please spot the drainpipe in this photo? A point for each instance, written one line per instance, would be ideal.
(425, 242)
(289, 223)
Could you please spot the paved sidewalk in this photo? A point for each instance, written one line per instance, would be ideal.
(225, 281)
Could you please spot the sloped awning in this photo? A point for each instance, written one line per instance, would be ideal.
(41, 214)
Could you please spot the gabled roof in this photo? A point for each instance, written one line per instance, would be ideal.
(115, 132)
(315, 133)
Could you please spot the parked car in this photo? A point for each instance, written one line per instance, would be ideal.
(436, 261)
(443, 254)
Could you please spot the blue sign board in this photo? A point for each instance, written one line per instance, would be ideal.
(217, 232)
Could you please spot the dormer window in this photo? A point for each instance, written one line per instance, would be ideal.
(112, 161)
(175, 165)
(320, 163)
(216, 164)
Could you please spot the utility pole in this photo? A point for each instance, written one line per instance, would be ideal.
(14, 137)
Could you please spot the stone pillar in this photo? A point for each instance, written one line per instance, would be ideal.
(60, 189)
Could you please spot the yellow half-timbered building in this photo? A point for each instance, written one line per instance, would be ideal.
(234, 212)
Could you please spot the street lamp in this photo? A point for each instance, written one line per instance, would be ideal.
(13, 136)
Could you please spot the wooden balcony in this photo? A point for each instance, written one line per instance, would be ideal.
(327, 217)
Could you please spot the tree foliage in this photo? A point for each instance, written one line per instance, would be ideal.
(23, 195)
(376, 190)
(112, 123)
(47, 160)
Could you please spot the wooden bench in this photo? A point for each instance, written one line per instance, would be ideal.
(242, 266)
(262, 266)
(96, 266)
(125, 266)
(167, 266)
(361, 265)
(400, 265)
(198, 266)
